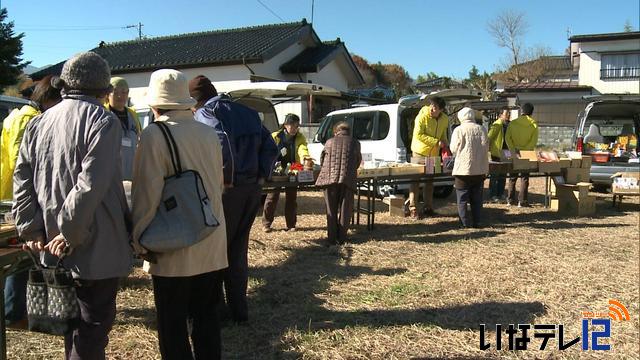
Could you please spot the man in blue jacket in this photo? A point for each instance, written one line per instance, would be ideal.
(248, 154)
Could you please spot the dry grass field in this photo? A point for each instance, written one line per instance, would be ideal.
(411, 289)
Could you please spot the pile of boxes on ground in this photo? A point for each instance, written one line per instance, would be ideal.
(570, 192)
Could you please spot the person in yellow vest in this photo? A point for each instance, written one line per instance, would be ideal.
(292, 148)
(522, 134)
(497, 143)
(117, 104)
(430, 133)
(44, 96)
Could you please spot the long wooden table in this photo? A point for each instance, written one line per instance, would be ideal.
(367, 186)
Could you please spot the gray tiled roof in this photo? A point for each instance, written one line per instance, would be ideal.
(311, 58)
(220, 47)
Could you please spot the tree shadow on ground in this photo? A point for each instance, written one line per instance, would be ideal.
(297, 294)
(435, 233)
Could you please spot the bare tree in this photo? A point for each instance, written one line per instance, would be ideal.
(508, 30)
(627, 26)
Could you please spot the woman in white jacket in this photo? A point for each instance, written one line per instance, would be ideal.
(470, 146)
(187, 281)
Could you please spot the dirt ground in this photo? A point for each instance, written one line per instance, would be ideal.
(412, 289)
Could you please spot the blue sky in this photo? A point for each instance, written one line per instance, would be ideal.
(446, 37)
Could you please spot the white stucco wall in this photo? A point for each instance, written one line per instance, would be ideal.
(589, 73)
(330, 75)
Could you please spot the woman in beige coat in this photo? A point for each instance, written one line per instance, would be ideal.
(470, 146)
(186, 282)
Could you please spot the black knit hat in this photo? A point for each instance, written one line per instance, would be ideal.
(291, 119)
(201, 89)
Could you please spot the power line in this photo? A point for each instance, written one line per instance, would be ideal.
(66, 28)
(271, 11)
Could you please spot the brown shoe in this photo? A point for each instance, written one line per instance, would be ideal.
(413, 213)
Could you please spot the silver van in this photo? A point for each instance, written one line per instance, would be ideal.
(606, 119)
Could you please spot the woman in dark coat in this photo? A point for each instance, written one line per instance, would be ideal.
(340, 160)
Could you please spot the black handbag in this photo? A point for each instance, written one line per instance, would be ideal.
(52, 303)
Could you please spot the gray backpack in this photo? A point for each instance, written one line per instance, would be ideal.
(184, 216)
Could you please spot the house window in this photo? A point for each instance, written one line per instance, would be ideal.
(620, 66)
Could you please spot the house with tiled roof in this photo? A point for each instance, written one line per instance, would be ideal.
(610, 63)
(288, 52)
(596, 64)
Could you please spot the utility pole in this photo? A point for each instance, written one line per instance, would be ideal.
(312, 3)
(139, 27)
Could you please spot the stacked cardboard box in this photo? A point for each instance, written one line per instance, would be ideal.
(574, 200)
(396, 206)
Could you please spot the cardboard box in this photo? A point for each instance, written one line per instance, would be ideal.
(528, 154)
(565, 163)
(551, 167)
(396, 206)
(574, 200)
(406, 169)
(575, 175)
(586, 162)
(576, 163)
(525, 164)
(373, 172)
(570, 207)
(577, 192)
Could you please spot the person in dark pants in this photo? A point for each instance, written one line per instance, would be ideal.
(97, 309)
(248, 154)
(497, 144)
(340, 160)
(193, 297)
(185, 281)
(470, 146)
(43, 97)
(74, 203)
(522, 134)
(292, 146)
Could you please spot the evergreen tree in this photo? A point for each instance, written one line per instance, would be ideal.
(11, 64)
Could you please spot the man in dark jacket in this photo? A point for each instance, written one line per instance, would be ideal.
(340, 160)
(248, 155)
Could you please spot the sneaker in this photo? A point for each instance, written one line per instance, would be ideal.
(291, 229)
(495, 199)
(523, 204)
(267, 229)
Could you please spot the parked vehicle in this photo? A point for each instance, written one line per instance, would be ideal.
(8, 103)
(261, 97)
(616, 119)
(385, 131)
